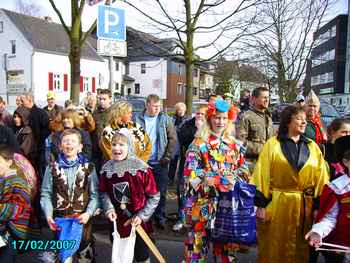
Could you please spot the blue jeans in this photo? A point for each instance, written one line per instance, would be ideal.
(161, 177)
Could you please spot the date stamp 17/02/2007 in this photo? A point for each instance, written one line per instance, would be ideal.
(42, 244)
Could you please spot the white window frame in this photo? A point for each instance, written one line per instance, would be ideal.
(333, 32)
(179, 88)
(13, 47)
(330, 76)
(1, 26)
(57, 83)
(137, 88)
(143, 68)
(179, 69)
(86, 83)
(195, 72)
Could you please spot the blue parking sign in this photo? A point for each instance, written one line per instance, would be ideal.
(111, 23)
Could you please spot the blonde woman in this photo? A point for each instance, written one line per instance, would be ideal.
(67, 119)
(121, 117)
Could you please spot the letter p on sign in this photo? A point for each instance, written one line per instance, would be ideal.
(111, 23)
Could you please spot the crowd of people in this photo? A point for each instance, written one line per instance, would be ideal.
(76, 161)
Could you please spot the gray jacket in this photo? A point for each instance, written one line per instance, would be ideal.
(166, 135)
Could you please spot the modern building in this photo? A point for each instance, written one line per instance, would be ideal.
(347, 64)
(34, 55)
(326, 70)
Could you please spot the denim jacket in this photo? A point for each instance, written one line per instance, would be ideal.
(166, 135)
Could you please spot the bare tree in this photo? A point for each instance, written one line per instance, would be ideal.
(285, 45)
(77, 40)
(222, 22)
(28, 8)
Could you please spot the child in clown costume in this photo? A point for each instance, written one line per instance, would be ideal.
(214, 162)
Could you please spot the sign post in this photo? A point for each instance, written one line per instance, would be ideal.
(111, 34)
(111, 23)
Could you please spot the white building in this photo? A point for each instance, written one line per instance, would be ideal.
(150, 77)
(34, 56)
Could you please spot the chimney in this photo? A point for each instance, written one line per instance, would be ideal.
(48, 19)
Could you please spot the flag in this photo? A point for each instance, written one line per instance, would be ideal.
(70, 229)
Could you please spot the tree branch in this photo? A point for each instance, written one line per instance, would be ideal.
(60, 17)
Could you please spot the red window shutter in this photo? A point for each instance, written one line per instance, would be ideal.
(93, 85)
(50, 81)
(65, 82)
(81, 83)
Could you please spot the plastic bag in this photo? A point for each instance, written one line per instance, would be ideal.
(70, 229)
(235, 220)
(123, 248)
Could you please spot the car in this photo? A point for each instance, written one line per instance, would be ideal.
(328, 112)
(138, 104)
(276, 112)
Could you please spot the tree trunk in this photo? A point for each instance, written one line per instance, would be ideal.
(74, 58)
(189, 86)
(281, 82)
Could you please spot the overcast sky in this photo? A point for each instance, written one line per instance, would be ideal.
(133, 18)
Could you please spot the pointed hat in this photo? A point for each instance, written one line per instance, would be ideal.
(312, 99)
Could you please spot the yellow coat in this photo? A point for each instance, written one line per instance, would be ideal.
(289, 214)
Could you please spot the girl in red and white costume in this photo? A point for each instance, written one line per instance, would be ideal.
(333, 218)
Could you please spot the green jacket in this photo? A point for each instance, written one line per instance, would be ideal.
(255, 128)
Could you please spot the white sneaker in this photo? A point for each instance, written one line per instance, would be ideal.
(177, 227)
(47, 257)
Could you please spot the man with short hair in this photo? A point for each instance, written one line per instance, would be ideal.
(162, 133)
(39, 122)
(5, 116)
(52, 108)
(256, 124)
(101, 118)
(101, 115)
(212, 98)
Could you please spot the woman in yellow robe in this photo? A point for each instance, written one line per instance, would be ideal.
(289, 174)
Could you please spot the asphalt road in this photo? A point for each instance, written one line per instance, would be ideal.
(169, 243)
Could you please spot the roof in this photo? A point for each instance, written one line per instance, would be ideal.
(142, 45)
(47, 36)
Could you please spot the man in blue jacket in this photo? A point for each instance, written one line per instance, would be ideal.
(162, 133)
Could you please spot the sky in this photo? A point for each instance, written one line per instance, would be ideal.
(133, 18)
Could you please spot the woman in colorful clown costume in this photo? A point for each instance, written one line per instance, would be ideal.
(289, 175)
(214, 162)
